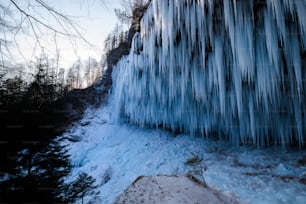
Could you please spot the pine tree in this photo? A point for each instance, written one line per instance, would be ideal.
(52, 166)
(84, 185)
(38, 176)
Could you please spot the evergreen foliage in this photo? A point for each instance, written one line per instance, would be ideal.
(38, 176)
(83, 186)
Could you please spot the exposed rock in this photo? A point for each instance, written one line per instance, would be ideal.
(193, 160)
(85, 123)
(74, 138)
(172, 190)
(106, 175)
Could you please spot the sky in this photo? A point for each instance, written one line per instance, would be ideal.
(95, 20)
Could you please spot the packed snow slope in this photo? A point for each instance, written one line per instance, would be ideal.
(234, 68)
(116, 154)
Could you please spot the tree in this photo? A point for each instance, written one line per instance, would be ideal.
(60, 82)
(43, 89)
(2, 87)
(15, 90)
(38, 176)
(76, 74)
(107, 43)
(33, 18)
(92, 71)
(126, 15)
(74, 80)
(52, 165)
(84, 185)
(70, 78)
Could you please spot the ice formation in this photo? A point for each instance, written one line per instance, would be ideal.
(227, 67)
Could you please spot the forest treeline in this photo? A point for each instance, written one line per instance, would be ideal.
(39, 101)
(37, 104)
(43, 82)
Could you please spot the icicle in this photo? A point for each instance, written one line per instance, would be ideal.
(235, 68)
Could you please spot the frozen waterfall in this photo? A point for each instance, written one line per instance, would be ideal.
(232, 68)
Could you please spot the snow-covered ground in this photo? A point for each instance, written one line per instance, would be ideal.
(117, 154)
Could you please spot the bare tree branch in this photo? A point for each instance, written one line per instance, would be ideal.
(29, 16)
(34, 20)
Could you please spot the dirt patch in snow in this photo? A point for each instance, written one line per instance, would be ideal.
(171, 190)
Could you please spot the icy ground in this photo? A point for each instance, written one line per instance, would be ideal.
(117, 154)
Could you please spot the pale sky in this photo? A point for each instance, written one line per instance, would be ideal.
(96, 19)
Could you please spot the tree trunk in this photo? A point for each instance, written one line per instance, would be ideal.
(29, 162)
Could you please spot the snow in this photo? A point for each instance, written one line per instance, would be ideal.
(236, 67)
(116, 154)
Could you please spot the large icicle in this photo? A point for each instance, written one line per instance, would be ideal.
(235, 68)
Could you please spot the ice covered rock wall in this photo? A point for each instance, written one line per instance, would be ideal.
(235, 68)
